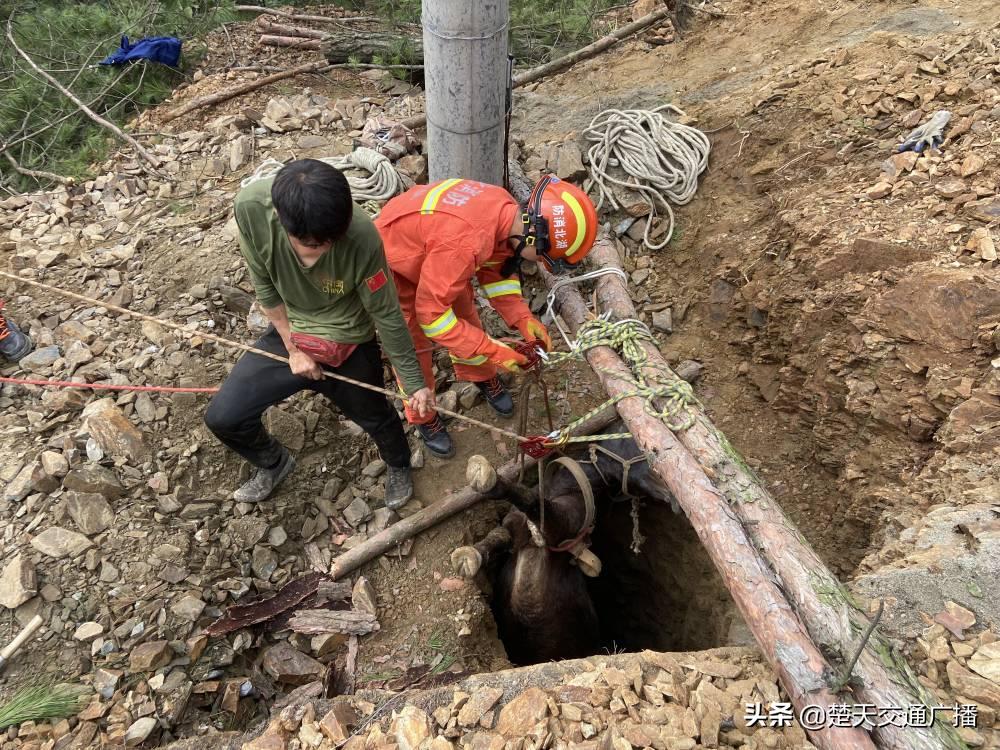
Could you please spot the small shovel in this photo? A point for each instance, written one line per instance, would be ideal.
(15, 645)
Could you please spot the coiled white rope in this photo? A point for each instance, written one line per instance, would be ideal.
(661, 159)
(382, 182)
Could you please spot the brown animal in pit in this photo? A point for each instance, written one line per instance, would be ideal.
(541, 604)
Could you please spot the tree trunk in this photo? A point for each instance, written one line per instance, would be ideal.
(441, 510)
(822, 602)
(295, 42)
(342, 46)
(783, 639)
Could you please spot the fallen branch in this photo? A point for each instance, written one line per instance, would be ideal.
(146, 156)
(554, 66)
(282, 29)
(38, 174)
(782, 638)
(302, 16)
(441, 510)
(222, 96)
(294, 42)
(822, 602)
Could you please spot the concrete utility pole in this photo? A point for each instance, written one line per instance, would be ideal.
(465, 72)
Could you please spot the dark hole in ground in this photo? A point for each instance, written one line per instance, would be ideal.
(666, 597)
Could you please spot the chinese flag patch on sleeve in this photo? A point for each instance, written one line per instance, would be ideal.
(376, 282)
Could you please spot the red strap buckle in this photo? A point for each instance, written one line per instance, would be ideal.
(529, 352)
(537, 447)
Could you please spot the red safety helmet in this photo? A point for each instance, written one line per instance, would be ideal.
(560, 223)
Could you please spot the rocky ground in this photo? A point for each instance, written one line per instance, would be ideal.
(838, 304)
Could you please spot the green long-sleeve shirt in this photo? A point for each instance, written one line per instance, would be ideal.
(344, 297)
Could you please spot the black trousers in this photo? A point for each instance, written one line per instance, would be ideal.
(257, 382)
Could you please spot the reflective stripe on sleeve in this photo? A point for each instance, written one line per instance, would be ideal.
(441, 325)
(479, 359)
(501, 288)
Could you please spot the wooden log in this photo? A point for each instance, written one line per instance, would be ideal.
(441, 510)
(294, 42)
(822, 602)
(346, 45)
(302, 16)
(269, 27)
(561, 63)
(221, 96)
(782, 638)
(322, 621)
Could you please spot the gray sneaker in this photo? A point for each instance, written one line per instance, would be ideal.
(265, 481)
(398, 487)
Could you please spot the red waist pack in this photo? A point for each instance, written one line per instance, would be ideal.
(324, 351)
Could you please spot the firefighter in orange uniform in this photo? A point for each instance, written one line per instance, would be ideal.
(438, 236)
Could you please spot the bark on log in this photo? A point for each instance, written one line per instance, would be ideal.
(269, 27)
(783, 639)
(441, 510)
(294, 42)
(302, 16)
(342, 46)
(822, 602)
(561, 63)
(322, 621)
(222, 96)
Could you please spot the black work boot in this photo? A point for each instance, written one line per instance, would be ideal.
(436, 438)
(398, 487)
(14, 343)
(264, 481)
(497, 396)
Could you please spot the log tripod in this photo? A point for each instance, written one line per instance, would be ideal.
(756, 548)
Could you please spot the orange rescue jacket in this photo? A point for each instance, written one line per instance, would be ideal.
(437, 237)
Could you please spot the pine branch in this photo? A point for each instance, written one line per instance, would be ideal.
(38, 174)
(146, 156)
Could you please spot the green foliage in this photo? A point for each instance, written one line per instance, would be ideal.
(43, 702)
(67, 39)
(539, 29)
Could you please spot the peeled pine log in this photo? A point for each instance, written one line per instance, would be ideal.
(822, 602)
(786, 645)
(345, 45)
(443, 509)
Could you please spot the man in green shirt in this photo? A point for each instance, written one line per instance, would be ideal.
(319, 271)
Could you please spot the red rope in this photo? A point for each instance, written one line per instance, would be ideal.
(107, 386)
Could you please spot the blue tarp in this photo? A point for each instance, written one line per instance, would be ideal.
(161, 49)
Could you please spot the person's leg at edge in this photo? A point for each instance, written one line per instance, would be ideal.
(234, 415)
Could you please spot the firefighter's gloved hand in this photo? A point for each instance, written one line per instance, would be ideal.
(534, 332)
(930, 134)
(504, 357)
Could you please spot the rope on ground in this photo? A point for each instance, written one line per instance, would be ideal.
(661, 160)
(187, 331)
(381, 184)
